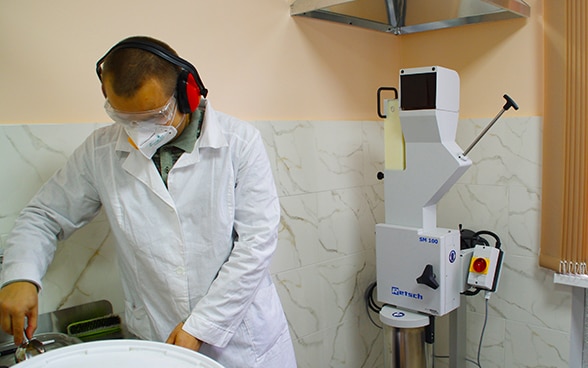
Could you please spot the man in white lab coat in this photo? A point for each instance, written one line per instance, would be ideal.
(190, 198)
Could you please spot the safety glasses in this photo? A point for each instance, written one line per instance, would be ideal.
(160, 116)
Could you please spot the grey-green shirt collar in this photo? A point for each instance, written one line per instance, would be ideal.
(187, 140)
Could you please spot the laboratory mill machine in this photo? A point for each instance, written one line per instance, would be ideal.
(421, 269)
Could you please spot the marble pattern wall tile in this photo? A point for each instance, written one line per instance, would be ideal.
(528, 295)
(340, 212)
(312, 157)
(331, 200)
(501, 193)
(293, 149)
(298, 242)
(509, 154)
(533, 346)
(325, 294)
(524, 221)
(345, 345)
(339, 146)
(493, 341)
(374, 154)
(30, 155)
(476, 207)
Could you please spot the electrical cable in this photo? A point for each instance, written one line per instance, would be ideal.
(477, 361)
(369, 295)
(476, 291)
(486, 232)
(372, 320)
(483, 241)
(370, 303)
(471, 239)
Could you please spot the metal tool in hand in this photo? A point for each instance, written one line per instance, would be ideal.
(28, 349)
(509, 103)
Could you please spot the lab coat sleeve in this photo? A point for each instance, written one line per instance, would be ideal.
(63, 204)
(257, 215)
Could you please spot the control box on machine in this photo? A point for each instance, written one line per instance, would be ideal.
(418, 270)
(484, 267)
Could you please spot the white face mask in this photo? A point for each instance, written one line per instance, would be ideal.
(147, 138)
(147, 130)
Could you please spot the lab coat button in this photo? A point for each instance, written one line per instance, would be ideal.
(180, 271)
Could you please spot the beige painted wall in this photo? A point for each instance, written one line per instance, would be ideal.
(491, 58)
(258, 62)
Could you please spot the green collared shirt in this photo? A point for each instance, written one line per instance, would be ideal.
(167, 155)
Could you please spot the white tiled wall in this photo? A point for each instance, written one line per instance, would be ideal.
(331, 200)
(529, 316)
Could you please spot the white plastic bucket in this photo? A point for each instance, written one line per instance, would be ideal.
(120, 353)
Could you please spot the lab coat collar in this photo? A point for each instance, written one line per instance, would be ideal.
(211, 135)
(137, 165)
(122, 142)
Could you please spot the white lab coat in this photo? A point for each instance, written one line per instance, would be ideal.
(197, 251)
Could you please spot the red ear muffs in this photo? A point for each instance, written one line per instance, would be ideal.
(188, 93)
(189, 87)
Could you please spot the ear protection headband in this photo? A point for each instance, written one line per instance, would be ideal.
(189, 86)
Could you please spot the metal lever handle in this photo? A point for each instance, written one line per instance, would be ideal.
(509, 103)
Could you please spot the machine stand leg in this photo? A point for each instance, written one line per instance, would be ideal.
(457, 333)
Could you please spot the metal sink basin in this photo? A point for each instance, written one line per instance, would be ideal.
(50, 340)
(50, 324)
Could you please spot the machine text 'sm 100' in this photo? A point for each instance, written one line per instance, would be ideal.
(426, 239)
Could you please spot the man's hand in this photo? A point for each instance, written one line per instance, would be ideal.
(182, 338)
(17, 301)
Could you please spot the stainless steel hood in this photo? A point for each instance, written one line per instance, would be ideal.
(410, 16)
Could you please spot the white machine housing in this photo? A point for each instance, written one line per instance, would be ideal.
(409, 243)
(403, 259)
(429, 112)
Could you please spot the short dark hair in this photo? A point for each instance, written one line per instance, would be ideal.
(131, 67)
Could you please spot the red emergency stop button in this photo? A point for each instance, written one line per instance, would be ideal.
(480, 265)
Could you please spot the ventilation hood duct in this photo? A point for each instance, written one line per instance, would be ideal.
(410, 16)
